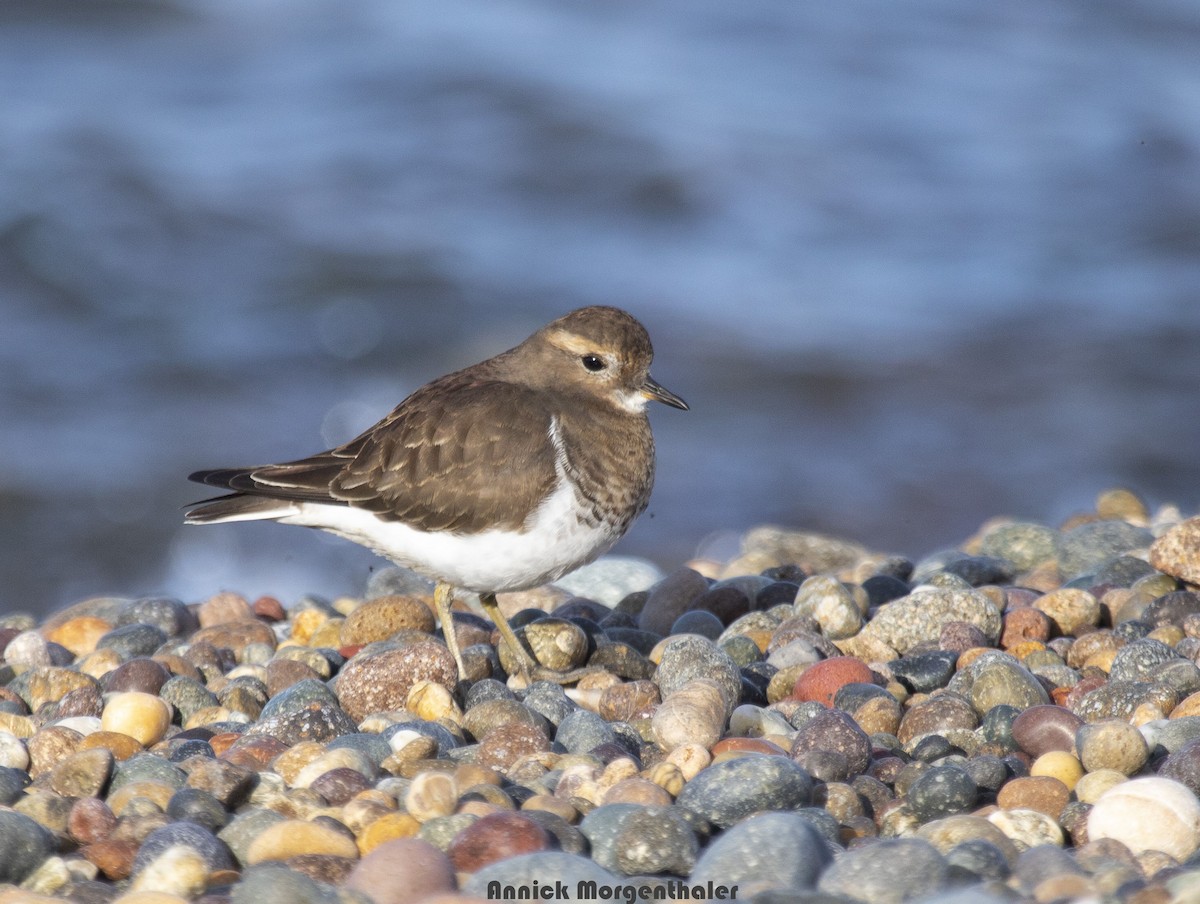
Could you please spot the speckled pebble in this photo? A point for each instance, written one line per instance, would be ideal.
(888, 870)
(381, 682)
(767, 852)
(726, 793)
(689, 656)
(654, 840)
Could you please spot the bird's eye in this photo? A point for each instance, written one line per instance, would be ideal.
(594, 363)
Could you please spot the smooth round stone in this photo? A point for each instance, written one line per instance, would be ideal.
(1091, 546)
(13, 783)
(381, 682)
(980, 570)
(1172, 734)
(485, 717)
(899, 869)
(828, 602)
(769, 851)
(177, 872)
(541, 871)
(1141, 660)
(294, 838)
(728, 601)
(1070, 609)
(1024, 625)
(143, 717)
(693, 713)
(1058, 764)
(942, 791)
(726, 793)
(145, 675)
(883, 588)
(245, 827)
(936, 715)
(306, 711)
(1043, 728)
(1027, 828)
(687, 657)
(79, 635)
(921, 616)
(834, 732)
(698, 621)
(1120, 699)
(90, 820)
(654, 840)
(1111, 744)
(821, 681)
(497, 836)
(276, 884)
(1148, 814)
(1043, 864)
(925, 672)
(381, 617)
(402, 871)
(1023, 543)
(582, 731)
(187, 695)
(48, 684)
(25, 844)
(1184, 766)
(549, 700)
(978, 860)
(1091, 786)
(506, 744)
(670, 598)
(170, 616)
(946, 834)
(82, 774)
(1001, 681)
(1042, 793)
(132, 641)
(189, 835)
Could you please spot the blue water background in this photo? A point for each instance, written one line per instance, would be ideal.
(914, 265)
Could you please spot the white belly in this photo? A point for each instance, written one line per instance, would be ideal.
(554, 541)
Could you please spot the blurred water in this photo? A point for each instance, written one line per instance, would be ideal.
(912, 266)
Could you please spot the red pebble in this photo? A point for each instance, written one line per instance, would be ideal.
(824, 679)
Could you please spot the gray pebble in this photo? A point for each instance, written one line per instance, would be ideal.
(25, 844)
(131, 641)
(888, 871)
(271, 883)
(199, 839)
(655, 840)
(728, 792)
(689, 656)
(698, 621)
(670, 598)
(769, 851)
(582, 731)
(1089, 547)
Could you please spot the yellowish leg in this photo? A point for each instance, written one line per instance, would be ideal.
(492, 608)
(443, 597)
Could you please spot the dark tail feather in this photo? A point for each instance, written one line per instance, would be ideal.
(236, 507)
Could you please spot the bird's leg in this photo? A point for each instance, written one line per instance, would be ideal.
(443, 598)
(528, 667)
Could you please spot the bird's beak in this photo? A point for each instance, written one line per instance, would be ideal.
(656, 392)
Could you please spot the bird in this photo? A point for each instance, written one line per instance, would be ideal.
(503, 476)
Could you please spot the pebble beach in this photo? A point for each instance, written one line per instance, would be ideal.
(1015, 719)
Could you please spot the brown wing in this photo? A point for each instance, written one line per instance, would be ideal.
(457, 455)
